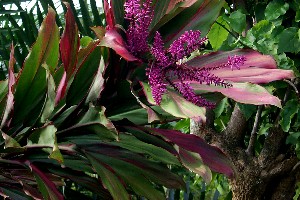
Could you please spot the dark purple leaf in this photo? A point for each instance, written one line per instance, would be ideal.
(212, 156)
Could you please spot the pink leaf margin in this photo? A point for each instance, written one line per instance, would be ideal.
(258, 68)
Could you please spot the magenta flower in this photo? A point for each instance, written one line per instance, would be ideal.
(139, 16)
(166, 67)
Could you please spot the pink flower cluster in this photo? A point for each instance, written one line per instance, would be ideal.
(139, 16)
(166, 67)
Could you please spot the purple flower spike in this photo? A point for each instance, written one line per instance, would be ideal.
(186, 44)
(132, 8)
(165, 67)
(188, 93)
(236, 61)
(156, 81)
(159, 52)
(140, 17)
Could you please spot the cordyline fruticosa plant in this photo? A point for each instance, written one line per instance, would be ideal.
(89, 114)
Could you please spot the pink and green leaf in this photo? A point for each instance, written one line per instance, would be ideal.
(69, 42)
(247, 93)
(109, 179)
(167, 10)
(69, 46)
(194, 162)
(258, 68)
(200, 16)
(175, 104)
(114, 40)
(10, 96)
(46, 186)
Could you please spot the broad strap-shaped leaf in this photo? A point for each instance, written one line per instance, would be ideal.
(152, 115)
(135, 170)
(83, 77)
(46, 137)
(98, 83)
(194, 162)
(114, 40)
(247, 93)
(50, 97)
(10, 96)
(10, 142)
(133, 144)
(46, 186)
(167, 10)
(84, 180)
(175, 104)
(109, 179)
(113, 12)
(69, 42)
(200, 16)
(69, 46)
(257, 68)
(211, 156)
(31, 82)
(99, 31)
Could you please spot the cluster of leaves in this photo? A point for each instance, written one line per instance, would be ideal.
(76, 112)
(55, 126)
(21, 26)
(275, 32)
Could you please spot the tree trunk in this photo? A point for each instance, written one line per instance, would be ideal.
(271, 175)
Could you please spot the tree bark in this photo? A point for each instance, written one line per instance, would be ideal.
(273, 174)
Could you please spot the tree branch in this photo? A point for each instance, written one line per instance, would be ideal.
(250, 149)
(235, 129)
(272, 145)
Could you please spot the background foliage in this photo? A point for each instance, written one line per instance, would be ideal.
(271, 27)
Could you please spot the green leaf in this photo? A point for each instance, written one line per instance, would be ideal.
(95, 128)
(10, 142)
(14, 194)
(98, 83)
(133, 144)
(109, 179)
(293, 138)
(237, 21)
(287, 113)
(85, 40)
(289, 40)
(118, 10)
(217, 34)
(31, 84)
(220, 107)
(83, 78)
(247, 109)
(46, 136)
(134, 176)
(43, 136)
(275, 9)
(84, 180)
(50, 97)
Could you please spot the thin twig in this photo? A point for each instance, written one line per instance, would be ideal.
(293, 86)
(231, 33)
(250, 149)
